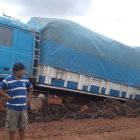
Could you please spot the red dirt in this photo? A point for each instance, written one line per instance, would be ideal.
(55, 122)
(86, 129)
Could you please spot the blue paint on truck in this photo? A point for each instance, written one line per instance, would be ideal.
(16, 45)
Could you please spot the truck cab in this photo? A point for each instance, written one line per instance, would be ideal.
(16, 45)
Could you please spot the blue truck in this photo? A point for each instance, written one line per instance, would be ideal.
(62, 55)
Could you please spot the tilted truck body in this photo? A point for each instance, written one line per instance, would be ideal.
(73, 58)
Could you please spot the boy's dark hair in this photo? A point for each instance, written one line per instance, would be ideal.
(18, 66)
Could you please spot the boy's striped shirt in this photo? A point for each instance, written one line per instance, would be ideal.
(17, 89)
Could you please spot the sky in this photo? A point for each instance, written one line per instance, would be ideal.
(116, 19)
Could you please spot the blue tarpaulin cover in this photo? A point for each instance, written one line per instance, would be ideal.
(68, 45)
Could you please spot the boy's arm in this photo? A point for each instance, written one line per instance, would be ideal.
(3, 87)
(5, 94)
(30, 95)
(30, 91)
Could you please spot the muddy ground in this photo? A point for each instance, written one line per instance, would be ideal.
(86, 129)
(108, 119)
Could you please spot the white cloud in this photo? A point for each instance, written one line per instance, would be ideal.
(117, 19)
(9, 9)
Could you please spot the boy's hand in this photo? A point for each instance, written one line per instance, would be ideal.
(5, 94)
(9, 98)
(28, 100)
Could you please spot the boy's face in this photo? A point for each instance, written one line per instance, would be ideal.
(19, 73)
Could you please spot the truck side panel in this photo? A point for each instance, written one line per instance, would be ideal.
(84, 84)
(6, 53)
(18, 49)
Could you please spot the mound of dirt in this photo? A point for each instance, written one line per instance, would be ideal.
(54, 112)
(111, 108)
(108, 108)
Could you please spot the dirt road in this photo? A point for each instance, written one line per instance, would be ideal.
(88, 129)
